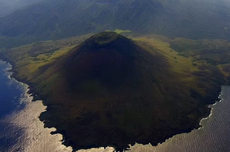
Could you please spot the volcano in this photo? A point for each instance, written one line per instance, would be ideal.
(112, 91)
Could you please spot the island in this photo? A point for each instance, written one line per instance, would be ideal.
(110, 90)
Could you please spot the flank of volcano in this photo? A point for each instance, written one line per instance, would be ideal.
(112, 91)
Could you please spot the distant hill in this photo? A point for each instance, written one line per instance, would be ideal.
(54, 19)
(61, 19)
(9, 6)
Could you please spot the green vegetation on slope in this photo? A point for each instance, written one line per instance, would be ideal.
(119, 31)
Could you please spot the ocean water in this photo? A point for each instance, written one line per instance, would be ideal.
(11, 95)
(11, 91)
(22, 131)
(20, 128)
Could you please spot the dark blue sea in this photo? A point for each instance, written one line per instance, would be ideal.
(11, 94)
(22, 131)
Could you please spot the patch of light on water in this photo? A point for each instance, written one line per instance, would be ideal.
(35, 138)
(107, 149)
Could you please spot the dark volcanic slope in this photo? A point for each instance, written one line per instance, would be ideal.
(108, 91)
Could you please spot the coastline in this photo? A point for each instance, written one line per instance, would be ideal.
(34, 97)
(153, 148)
(27, 119)
(211, 106)
(13, 75)
(212, 136)
(35, 136)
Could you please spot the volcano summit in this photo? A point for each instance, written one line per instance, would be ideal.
(113, 91)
